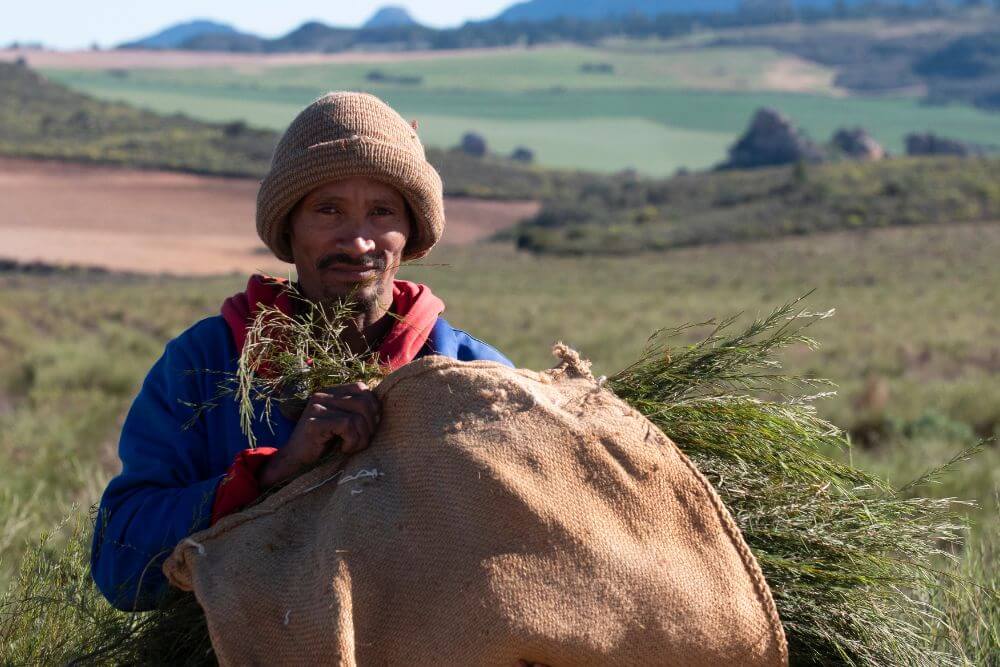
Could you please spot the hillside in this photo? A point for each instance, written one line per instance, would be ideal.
(967, 69)
(42, 119)
(625, 216)
(175, 36)
(546, 10)
(954, 59)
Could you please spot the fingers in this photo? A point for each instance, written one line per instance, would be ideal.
(345, 389)
(365, 405)
(357, 435)
(325, 423)
(350, 411)
(357, 391)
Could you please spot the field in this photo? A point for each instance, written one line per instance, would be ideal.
(905, 250)
(658, 110)
(913, 345)
(163, 222)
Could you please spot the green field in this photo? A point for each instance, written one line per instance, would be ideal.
(913, 348)
(529, 70)
(917, 318)
(658, 111)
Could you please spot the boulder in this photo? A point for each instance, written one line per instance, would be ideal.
(931, 144)
(857, 144)
(771, 140)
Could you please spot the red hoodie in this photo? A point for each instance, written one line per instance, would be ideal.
(416, 308)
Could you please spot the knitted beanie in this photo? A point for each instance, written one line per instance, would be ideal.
(347, 134)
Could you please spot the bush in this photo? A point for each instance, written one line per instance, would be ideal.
(473, 144)
(752, 205)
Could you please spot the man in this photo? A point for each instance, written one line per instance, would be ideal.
(349, 196)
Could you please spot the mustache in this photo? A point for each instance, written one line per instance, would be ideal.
(369, 260)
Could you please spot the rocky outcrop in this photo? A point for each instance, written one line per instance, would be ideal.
(771, 140)
(932, 144)
(857, 144)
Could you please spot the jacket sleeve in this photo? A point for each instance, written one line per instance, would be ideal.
(165, 491)
(240, 487)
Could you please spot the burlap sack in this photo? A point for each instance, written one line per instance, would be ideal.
(499, 514)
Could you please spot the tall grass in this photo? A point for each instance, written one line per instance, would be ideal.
(916, 311)
(852, 562)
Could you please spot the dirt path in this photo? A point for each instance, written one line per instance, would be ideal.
(793, 74)
(163, 222)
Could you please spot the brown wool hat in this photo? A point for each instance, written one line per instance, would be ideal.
(347, 134)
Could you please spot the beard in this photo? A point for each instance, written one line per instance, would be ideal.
(370, 296)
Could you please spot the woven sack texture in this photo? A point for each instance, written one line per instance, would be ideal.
(499, 514)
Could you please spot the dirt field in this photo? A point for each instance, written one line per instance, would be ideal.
(793, 74)
(162, 222)
(149, 59)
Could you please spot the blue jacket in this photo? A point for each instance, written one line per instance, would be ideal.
(170, 468)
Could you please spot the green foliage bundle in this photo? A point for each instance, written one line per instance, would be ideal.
(849, 559)
(288, 357)
(53, 614)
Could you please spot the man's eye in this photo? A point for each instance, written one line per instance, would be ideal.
(381, 210)
(328, 210)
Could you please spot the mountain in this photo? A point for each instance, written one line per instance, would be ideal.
(390, 16)
(545, 10)
(315, 36)
(177, 35)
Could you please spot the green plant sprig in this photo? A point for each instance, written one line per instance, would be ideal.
(288, 357)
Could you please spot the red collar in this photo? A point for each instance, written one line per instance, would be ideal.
(416, 308)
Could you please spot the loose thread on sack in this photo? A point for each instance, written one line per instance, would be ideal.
(319, 484)
(196, 545)
(361, 474)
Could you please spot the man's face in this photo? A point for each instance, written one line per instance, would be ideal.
(347, 237)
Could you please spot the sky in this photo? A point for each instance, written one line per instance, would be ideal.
(67, 24)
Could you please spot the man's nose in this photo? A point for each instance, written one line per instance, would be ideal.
(356, 241)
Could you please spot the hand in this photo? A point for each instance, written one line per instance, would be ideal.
(348, 412)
